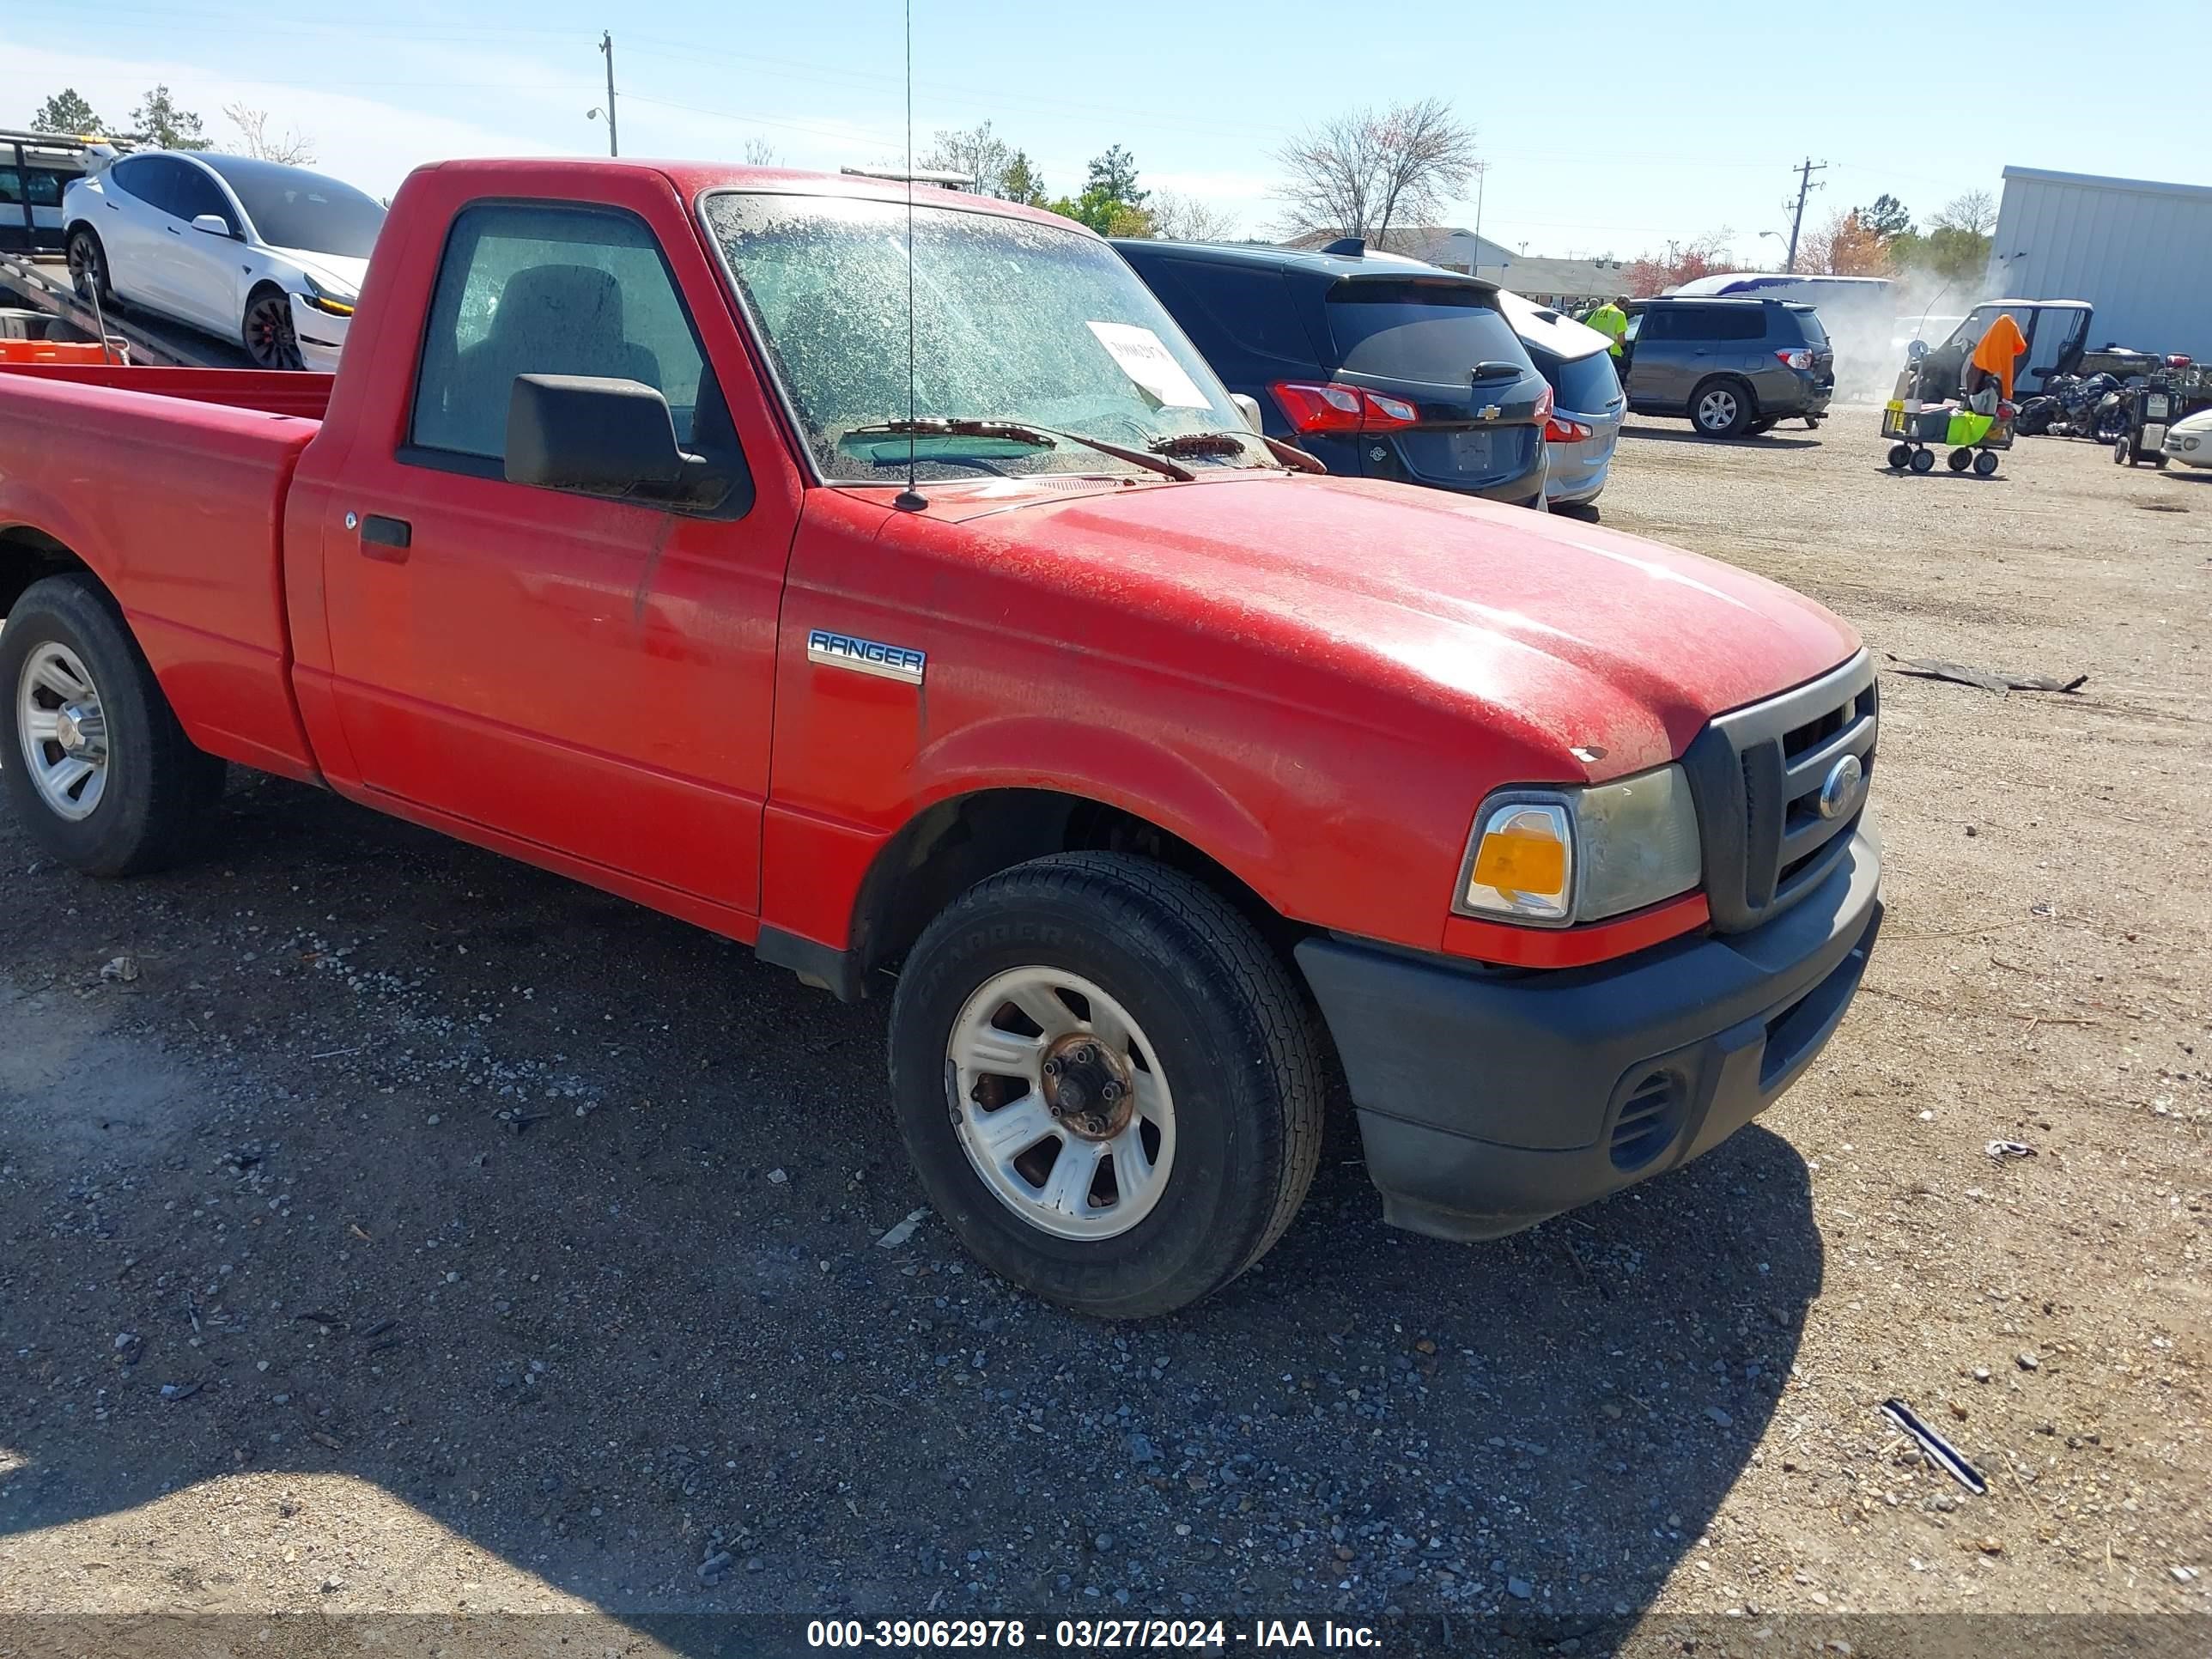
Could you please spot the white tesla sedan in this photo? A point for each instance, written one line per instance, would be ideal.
(268, 256)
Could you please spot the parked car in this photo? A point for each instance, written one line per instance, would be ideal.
(1381, 368)
(1587, 401)
(266, 255)
(2190, 441)
(1157, 781)
(1731, 366)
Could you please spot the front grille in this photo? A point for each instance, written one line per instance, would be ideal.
(1756, 775)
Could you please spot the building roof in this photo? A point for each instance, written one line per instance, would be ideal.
(2098, 181)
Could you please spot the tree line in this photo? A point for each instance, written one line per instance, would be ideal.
(160, 122)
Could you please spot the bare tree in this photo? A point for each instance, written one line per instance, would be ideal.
(759, 153)
(976, 152)
(1360, 173)
(1972, 210)
(1185, 219)
(293, 148)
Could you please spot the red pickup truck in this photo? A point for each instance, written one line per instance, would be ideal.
(1160, 782)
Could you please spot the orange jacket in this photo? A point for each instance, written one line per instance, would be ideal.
(1999, 349)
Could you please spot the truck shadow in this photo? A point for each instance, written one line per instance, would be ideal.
(398, 1166)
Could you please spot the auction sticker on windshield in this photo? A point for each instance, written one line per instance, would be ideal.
(1145, 359)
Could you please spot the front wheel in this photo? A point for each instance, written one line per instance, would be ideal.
(1720, 408)
(98, 770)
(1107, 1081)
(268, 333)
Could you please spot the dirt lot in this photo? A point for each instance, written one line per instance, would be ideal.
(417, 1232)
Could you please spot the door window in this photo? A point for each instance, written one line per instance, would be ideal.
(162, 184)
(548, 290)
(133, 176)
(1230, 311)
(1733, 322)
(194, 193)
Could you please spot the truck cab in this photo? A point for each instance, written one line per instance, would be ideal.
(883, 581)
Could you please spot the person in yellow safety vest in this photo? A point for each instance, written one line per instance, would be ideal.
(1610, 319)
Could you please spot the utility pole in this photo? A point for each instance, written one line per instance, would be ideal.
(1481, 178)
(1796, 219)
(607, 45)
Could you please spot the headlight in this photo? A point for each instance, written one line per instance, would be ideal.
(323, 300)
(1555, 857)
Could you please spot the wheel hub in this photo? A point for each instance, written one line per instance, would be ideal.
(1087, 1087)
(81, 731)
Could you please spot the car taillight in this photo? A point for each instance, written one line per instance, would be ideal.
(1561, 430)
(1544, 408)
(1311, 407)
(1798, 357)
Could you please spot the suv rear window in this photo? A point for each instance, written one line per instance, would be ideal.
(1581, 386)
(1429, 333)
(1808, 321)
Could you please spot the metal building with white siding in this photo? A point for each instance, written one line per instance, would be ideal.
(2140, 252)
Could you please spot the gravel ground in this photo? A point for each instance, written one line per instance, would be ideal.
(384, 1226)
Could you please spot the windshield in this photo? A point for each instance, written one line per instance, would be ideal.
(291, 207)
(1013, 321)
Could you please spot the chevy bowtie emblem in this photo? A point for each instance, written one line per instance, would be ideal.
(1488, 412)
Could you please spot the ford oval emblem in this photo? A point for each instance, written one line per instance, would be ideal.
(1840, 789)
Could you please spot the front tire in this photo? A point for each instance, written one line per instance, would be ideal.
(1107, 1081)
(267, 332)
(1721, 408)
(97, 767)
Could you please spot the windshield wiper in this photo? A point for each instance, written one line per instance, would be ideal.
(1197, 443)
(1018, 432)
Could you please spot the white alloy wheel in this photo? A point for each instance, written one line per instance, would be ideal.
(1060, 1103)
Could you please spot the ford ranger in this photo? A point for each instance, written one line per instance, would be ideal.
(887, 583)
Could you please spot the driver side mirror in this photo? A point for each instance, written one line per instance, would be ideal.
(214, 225)
(603, 437)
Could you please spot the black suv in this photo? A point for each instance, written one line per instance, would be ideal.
(1381, 367)
(1732, 366)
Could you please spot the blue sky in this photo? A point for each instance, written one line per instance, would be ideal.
(1602, 137)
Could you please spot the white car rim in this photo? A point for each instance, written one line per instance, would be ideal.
(1061, 1103)
(64, 732)
(1717, 410)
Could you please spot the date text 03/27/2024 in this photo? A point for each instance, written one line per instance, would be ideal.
(1090, 1635)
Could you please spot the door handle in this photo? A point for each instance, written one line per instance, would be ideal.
(388, 540)
(173, 230)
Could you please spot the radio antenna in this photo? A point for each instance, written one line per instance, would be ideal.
(910, 500)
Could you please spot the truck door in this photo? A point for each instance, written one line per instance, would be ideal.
(589, 676)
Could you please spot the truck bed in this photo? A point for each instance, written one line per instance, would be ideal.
(271, 391)
(170, 483)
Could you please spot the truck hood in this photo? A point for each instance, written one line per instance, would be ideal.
(1603, 652)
